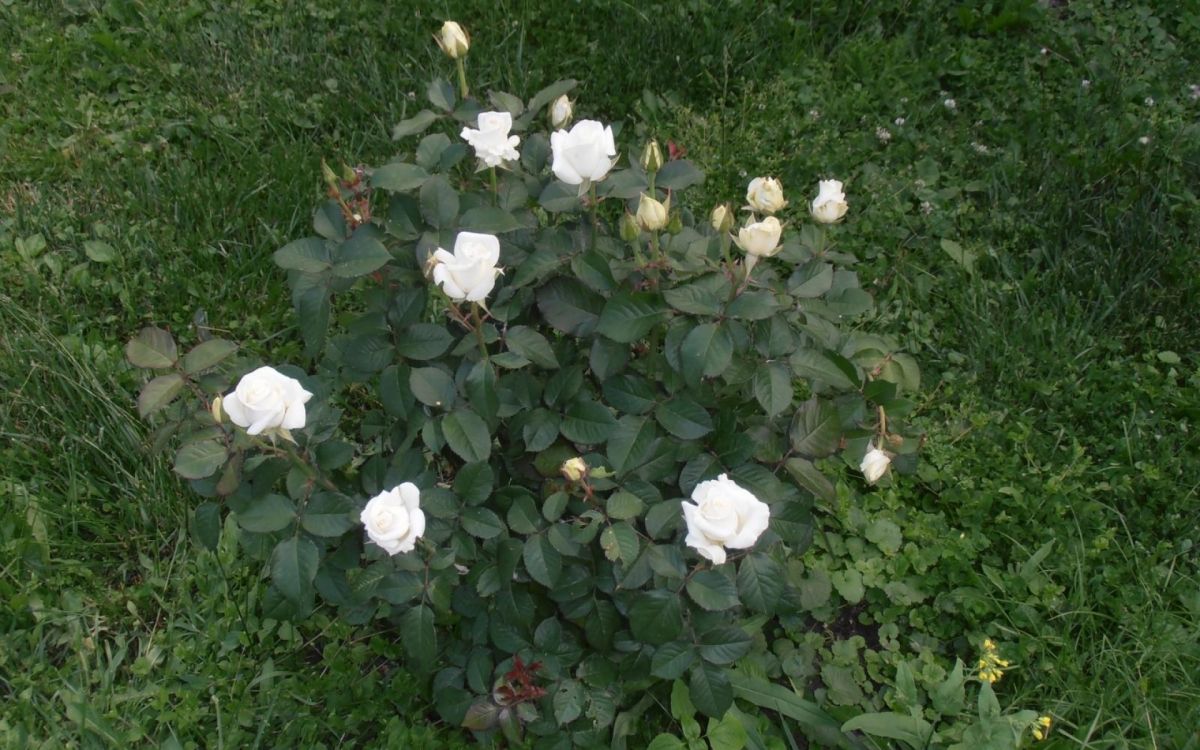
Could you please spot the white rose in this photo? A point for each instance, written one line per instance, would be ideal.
(875, 465)
(492, 143)
(394, 519)
(830, 204)
(585, 152)
(721, 218)
(725, 515)
(761, 238)
(470, 272)
(266, 400)
(561, 111)
(765, 195)
(651, 214)
(453, 40)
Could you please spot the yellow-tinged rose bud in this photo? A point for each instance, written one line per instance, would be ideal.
(453, 40)
(629, 228)
(652, 158)
(722, 218)
(328, 175)
(574, 469)
(216, 410)
(651, 215)
(560, 112)
(348, 174)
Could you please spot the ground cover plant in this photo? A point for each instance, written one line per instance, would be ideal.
(1028, 245)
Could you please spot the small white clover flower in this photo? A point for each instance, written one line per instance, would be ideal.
(1086, 83)
(1195, 89)
(1149, 101)
(899, 121)
(1144, 140)
(883, 134)
(926, 207)
(979, 148)
(950, 104)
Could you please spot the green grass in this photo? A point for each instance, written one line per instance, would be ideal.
(1060, 344)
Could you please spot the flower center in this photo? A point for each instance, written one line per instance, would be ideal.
(388, 522)
(719, 510)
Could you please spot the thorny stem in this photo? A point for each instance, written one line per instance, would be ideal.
(595, 213)
(462, 78)
(495, 189)
(478, 326)
(882, 426)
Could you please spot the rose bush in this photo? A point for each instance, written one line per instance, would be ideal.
(591, 435)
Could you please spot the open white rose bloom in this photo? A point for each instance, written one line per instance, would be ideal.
(585, 152)
(765, 194)
(830, 204)
(469, 273)
(394, 519)
(725, 515)
(874, 465)
(266, 400)
(490, 139)
(761, 238)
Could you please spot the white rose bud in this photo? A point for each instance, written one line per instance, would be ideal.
(266, 400)
(725, 515)
(652, 158)
(470, 272)
(830, 204)
(585, 152)
(875, 465)
(394, 519)
(761, 238)
(491, 141)
(453, 40)
(561, 111)
(722, 218)
(651, 215)
(765, 195)
(574, 469)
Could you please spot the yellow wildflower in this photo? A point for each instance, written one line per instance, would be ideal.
(991, 667)
(1041, 728)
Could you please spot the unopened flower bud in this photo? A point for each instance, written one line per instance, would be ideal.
(722, 218)
(561, 111)
(348, 174)
(328, 175)
(675, 226)
(629, 228)
(215, 408)
(651, 215)
(874, 465)
(574, 469)
(453, 40)
(652, 158)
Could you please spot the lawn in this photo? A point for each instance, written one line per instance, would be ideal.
(1023, 184)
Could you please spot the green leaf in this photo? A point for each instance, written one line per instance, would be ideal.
(672, 659)
(821, 367)
(473, 483)
(432, 386)
(531, 345)
(206, 525)
(439, 202)
(267, 514)
(724, 644)
(684, 418)
(711, 691)
(200, 459)
(312, 309)
(885, 534)
(424, 341)
(567, 701)
(542, 561)
(153, 348)
(420, 637)
(713, 590)
(550, 93)
(988, 704)
(816, 428)
(760, 583)
(949, 696)
(811, 280)
(100, 252)
(359, 256)
(678, 174)
(783, 701)
(620, 543)
(753, 306)
(328, 515)
(911, 730)
(706, 351)
(588, 422)
(704, 296)
(523, 516)
(656, 617)
(569, 306)
(629, 445)
(727, 734)
(418, 123)
(441, 94)
(666, 742)
(481, 522)
(310, 255)
(772, 385)
(394, 391)
(398, 177)
(489, 220)
(558, 197)
(540, 430)
(629, 317)
(207, 354)
(159, 392)
(960, 255)
(623, 505)
(293, 567)
(467, 435)
(810, 478)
